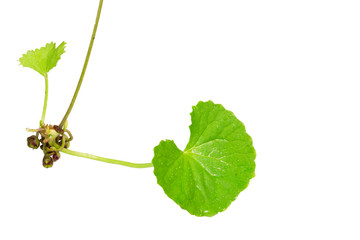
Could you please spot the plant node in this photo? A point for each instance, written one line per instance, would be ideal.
(51, 139)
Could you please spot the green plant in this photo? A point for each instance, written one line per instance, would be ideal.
(216, 165)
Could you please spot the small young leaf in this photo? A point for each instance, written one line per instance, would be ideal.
(44, 59)
(215, 166)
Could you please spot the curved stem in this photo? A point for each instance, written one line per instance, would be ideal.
(107, 160)
(85, 65)
(45, 100)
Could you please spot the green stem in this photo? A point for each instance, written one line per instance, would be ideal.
(45, 100)
(107, 160)
(84, 67)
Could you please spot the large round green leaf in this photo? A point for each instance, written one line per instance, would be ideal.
(215, 166)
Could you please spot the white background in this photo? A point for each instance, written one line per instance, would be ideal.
(289, 70)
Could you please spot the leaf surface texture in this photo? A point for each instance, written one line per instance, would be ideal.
(44, 59)
(215, 166)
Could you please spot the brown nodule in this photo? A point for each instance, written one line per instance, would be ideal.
(48, 161)
(56, 156)
(58, 129)
(33, 142)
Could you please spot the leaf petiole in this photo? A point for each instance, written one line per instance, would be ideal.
(107, 160)
(45, 100)
(61, 125)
